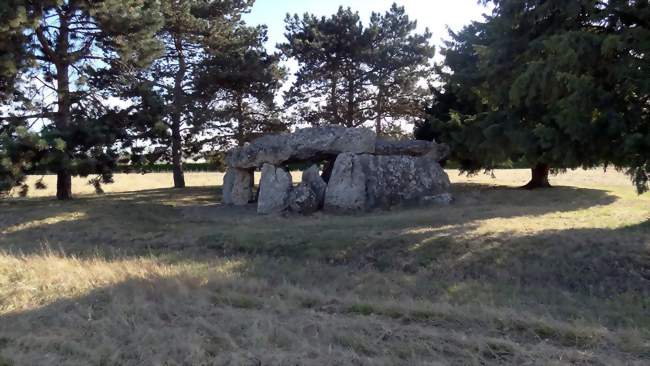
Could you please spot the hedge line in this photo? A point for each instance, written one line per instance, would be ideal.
(212, 167)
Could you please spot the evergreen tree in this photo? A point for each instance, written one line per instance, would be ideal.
(459, 103)
(192, 29)
(52, 73)
(12, 45)
(350, 74)
(398, 63)
(239, 84)
(330, 84)
(627, 51)
(542, 82)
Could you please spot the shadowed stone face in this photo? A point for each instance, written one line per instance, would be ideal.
(303, 200)
(311, 177)
(237, 187)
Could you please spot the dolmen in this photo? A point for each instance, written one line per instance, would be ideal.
(360, 172)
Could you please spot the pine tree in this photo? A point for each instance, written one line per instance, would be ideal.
(398, 64)
(192, 29)
(52, 74)
(330, 84)
(350, 74)
(238, 84)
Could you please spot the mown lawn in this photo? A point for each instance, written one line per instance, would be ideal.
(146, 275)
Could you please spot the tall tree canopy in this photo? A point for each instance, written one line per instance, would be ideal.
(193, 32)
(350, 74)
(398, 65)
(56, 57)
(330, 82)
(238, 85)
(554, 84)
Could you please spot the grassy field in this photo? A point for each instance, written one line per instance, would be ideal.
(146, 275)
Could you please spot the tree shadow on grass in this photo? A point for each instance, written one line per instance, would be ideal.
(343, 238)
(192, 223)
(598, 271)
(200, 318)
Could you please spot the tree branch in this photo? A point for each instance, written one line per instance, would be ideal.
(45, 46)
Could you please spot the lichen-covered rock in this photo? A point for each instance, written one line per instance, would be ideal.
(403, 147)
(237, 187)
(310, 144)
(360, 171)
(436, 151)
(364, 182)
(275, 186)
(311, 177)
(303, 200)
(346, 189)
(439, 199)
(439, 152)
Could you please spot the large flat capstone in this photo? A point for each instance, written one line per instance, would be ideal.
(306, 145)
(412, 148)
(362, 182)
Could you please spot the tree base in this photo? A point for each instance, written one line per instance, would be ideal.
(63, 186)
(179, 177)
(536, 185)
(539, 177)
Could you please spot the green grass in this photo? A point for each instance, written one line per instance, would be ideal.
(162, 276)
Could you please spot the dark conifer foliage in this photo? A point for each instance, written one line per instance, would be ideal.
(57, 56)
(398, 66)
(350, 74)
(238, 84)
(555, 84)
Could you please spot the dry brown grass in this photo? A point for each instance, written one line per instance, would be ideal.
(162, 276)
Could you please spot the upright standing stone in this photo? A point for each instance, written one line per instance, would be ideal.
(311, 177)
(226, 187)
(237, 187)
(365, 182)
(303, 200)
(275, 186)
(346, 189)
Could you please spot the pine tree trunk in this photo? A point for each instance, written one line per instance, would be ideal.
(539, 177)
(179, 99)
(378, 112)
(349, 113)
(240, 133)
(333, 103)
(63, 186)
(177, 158)
(64, 107)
